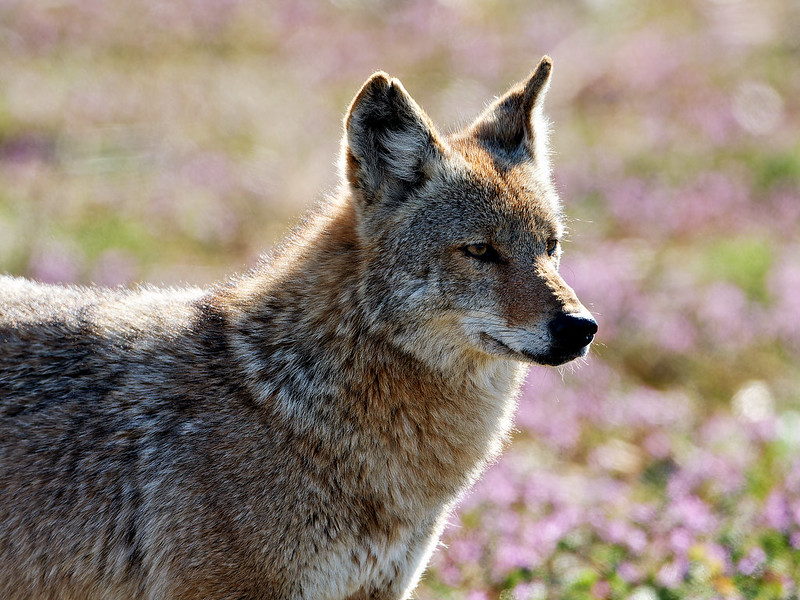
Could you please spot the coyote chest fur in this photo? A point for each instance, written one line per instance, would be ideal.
(303, 430)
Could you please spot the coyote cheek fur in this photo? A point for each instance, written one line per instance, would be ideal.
(304, 430)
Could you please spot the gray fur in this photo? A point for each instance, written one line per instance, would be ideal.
(301, 431)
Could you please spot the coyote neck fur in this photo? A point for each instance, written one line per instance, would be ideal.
(322, 364)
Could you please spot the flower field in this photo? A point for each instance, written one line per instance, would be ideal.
(172, 142)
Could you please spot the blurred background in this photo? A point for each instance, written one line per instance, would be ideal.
(172, 142)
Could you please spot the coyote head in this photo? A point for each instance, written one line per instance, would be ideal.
(460, 234)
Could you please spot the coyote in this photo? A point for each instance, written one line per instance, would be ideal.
(305, 429)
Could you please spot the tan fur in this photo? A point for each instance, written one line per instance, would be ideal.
(304, 430)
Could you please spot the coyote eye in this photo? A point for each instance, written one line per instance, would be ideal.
(483, 252)
(552, 247)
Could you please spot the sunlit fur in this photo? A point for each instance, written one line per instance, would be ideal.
(303, 430)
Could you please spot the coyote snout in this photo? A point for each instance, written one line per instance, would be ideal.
(571, 333)
(304, 430)
(565, 337)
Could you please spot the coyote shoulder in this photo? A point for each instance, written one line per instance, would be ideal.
(303, 430)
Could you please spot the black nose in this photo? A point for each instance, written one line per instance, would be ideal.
(572, 332)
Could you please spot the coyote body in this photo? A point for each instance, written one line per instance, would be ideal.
(304, 430)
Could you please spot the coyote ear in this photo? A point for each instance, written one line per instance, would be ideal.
(390, 145)
(514, 123)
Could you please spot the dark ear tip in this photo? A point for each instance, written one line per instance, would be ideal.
(380, 82)
(537, 81)
(378, 79)
(375, 86)
(542, 71)
(379, 85)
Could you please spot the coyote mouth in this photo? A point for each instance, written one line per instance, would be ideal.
(554, 358)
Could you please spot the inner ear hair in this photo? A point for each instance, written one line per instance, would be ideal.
(389, 141)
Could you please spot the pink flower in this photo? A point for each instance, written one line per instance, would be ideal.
(694, 514)
(465, 550)
(754, 561)
(671, 575)
(629, 572)
(795, 540)
(55, 263)
(776, 511)
(601, 590)
(509, 556)
(680, 540)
